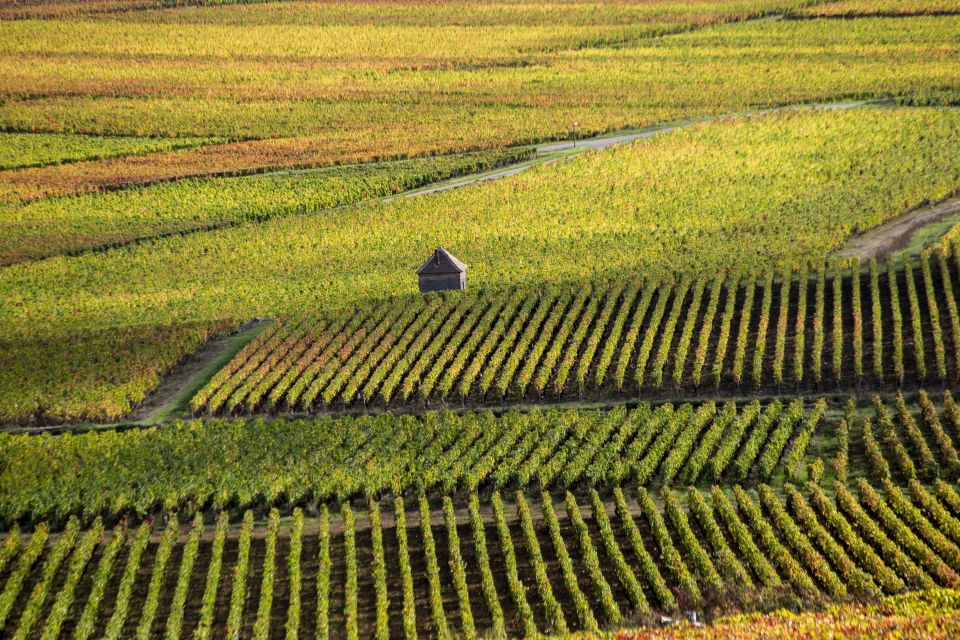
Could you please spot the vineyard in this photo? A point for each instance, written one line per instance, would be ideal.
(28, 150)
(76, 8)
(883, 327)
(504, 566)
(338, 92)
(101, 220)
(867, 8)
(459, 541)
(702, 382)
(299, 461)
(53, 350)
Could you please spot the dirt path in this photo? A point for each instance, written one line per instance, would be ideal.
(896, 234)
(172, 397)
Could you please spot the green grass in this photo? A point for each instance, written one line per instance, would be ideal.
(928, 235)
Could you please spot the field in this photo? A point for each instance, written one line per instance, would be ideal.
(844, 328)
(465, 564)
(27, 150)
(185, 206)
(506, 230)
(530, 565)
(861, 8)
(705, 370)
(301, 461)
(340, 92)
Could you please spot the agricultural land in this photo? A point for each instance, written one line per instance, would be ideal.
(703, 380)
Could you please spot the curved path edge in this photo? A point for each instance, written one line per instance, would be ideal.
(896, 234)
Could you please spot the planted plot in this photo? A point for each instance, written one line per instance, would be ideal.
(479, 567)
(97, 220)
(441, 451)
(875, 8)
(22, 150)
(608, 341)
(64, 358)
(909, 442)
(333, 117)
(325, 458)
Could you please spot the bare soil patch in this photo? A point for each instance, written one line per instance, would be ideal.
(896, 234)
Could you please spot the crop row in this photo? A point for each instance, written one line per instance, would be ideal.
(96, 220)
(530, 62)
(300, 461)
(492, 567)
(909, 442)
(63, 358)
(322, 458)
(609, 340)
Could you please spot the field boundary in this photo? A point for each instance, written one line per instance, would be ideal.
(545, 153)
(170, 400)
(898, 234)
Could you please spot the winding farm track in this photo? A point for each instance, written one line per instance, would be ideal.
(895, 234)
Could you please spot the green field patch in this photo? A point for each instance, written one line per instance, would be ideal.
(21, 150)
(608, 341)
(71, 225)
(745, 195)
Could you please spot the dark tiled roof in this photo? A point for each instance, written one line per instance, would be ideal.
(441, 262)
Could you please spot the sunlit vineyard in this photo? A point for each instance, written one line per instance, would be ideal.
(22, 150)
(879, 326)
(693, 197)
(340, 92)
(324, 458)
(860, 8)
(80, 8)
(101, 220)
(515, 565)
(318, 459)
(702, 381)
(442, 510)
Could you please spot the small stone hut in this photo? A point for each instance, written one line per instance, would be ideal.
(442, 272)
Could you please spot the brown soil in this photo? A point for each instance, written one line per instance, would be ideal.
(896, 233)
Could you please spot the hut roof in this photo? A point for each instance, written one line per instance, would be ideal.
(441, 262)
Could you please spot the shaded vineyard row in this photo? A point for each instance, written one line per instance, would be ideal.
(255, 462)
(224, 463)
(882, 328)
(492, 569)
